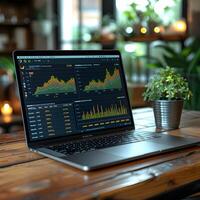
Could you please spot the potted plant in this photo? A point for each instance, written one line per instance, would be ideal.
(167, 91)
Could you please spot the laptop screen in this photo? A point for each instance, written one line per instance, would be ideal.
(72, 94)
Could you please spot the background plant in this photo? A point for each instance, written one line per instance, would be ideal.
(6, 63)
(187, 59)
(136, 13)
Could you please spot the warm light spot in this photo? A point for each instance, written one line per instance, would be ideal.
(143, 30)
(180, 26)
(7, 119)
(6, 109)
(156, 29)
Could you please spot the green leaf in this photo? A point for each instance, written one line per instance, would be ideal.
(169, 50)
(194, 63)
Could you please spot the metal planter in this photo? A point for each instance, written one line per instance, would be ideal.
(167, 113)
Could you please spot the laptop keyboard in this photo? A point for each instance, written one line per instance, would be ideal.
(101, 142)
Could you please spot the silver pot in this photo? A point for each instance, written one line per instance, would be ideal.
(167, 113)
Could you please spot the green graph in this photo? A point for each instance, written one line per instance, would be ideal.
(54, 85)
(101, 112)
(110, 82)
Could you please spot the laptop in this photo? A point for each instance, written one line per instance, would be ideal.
(76, 110)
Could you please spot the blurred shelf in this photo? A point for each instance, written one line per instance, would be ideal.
(13, 1)
(143, 38)
(103, 42)
(156, 37)
(13, 25)
(146, 38)
(8, 52)
(5, 52)
(175, 37)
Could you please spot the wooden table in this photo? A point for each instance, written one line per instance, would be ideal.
(28, 176)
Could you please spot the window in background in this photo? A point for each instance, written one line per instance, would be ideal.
(132, 16)
(78, 18)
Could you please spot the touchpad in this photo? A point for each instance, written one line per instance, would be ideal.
(136, 149)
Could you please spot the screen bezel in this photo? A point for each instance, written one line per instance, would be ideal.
(67, 52)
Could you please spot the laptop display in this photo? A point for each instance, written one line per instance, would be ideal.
(72, 94)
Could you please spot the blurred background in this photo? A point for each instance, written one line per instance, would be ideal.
(149, 33)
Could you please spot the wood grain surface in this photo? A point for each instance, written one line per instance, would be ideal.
(29, 176)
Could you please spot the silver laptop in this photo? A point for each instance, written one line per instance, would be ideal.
(76, 109)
